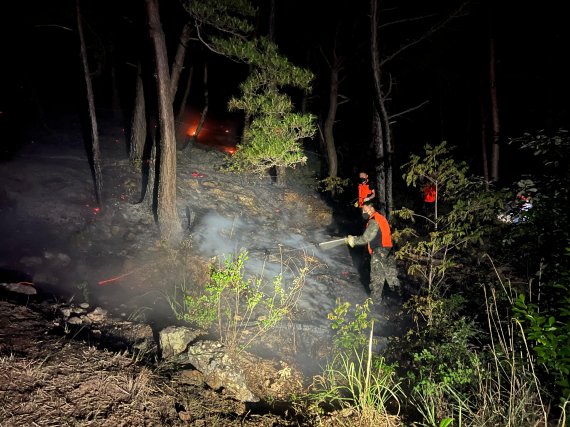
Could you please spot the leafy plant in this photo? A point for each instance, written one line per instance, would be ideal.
(362, 384)
(549, 330)
(463, 209)
(234, 302)
(273, 134)
(350, 332)
(333, 184)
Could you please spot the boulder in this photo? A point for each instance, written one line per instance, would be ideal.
(175, 339)
(219, 369)
(19, 288)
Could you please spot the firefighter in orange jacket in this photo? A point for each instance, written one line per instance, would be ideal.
(365, 190)
(430, 193)
(378, 237)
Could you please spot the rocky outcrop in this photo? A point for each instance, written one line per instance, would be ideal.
(175, 339)
(219, 369)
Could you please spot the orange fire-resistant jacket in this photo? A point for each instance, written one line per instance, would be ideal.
(363, 192)
(384, 238)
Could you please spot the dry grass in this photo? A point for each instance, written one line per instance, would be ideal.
(80, 386)
(47, 380)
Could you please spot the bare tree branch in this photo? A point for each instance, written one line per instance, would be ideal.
(401, 113)
(453, 15)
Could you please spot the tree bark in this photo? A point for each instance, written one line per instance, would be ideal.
(138, 122)
(494, 112)
(329, 122)
(95, 156)
(271, 24)
(167, 216)
(206, 105)
(379, 133)
(389, 155)
(178, 64)
(280, 176)
(380, 168)
(181, 127)
(484, 148)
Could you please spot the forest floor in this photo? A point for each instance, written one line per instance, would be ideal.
(70, 251)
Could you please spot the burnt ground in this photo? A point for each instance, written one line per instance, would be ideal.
(55, 239)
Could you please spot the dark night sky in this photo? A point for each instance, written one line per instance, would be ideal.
(41, 65)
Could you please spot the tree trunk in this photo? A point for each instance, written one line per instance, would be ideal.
(271, 25)
(178, 64)
(378, 142)
(484, 148)
(389, 154)
(206, 104)
(167, 216)
(378, 132)
(181, 127)
(150, 189)
(329, 123)
(138, 122)
(494, 112)
(95, 149)
(280, 176)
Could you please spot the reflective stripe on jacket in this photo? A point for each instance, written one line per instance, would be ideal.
(384, 238)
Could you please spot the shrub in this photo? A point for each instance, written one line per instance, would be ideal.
(233, 302)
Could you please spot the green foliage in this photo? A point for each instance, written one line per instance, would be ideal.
(273, 140)
(464, 208)
(273, 131)
(436, 167)
(540, 246)
(361, 382)
(274, 136)
(442, 352)
(546, 240)
(549, 330)
(334, 184)
(235, 303)
(221, 16)
(350, 326)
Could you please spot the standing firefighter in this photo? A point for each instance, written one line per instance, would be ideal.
(379, 240)
(365, 190)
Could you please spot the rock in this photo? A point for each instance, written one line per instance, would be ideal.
(175, 339)
(185, 416)
(84, 305)
(219, 370)
(136, 336)
(98, 315)
(191, 376)
(75, 320)
(19, 288)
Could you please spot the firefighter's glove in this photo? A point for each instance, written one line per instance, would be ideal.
(355, 204)
(350, 241)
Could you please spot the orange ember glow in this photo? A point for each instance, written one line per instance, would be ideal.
(192, 130)
(114, 279)
(230, 150)
(96, 210)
